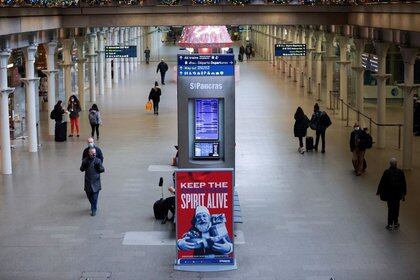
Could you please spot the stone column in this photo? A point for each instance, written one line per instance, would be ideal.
(330, 56)
(108, 70)
(409, 58)
(126, 43)
(6, 155)
(122, 60)
(273, 42)
(137, 40)
(318, 61)
(141, 44)
(116, 60)
(67, 65)
(50, 49)
(91, 58)
(81, 62)
(130, 43)
(359, 70)
(310, 49)
(30, 100)
(381, 77)
(344, 64)
(101, 62)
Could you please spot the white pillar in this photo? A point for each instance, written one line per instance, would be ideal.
(126, 43)
(91, 56)
(29, 81)
(344, 64)
(122, 60)
(108, 74)
(50, 72)
(116, 61)
(101, 62)
(381, 77)
(67, 64)
(409, 58)
(330, 56)
(132, 43)
(359, 70)
(309, 79)
(318, 60)
(6, 155)
(81, 61)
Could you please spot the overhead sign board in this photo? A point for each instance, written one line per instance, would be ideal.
(206, 65)
(204, 198)
(290, 50)
(370, 62)
(120, 51)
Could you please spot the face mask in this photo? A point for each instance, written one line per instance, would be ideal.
(356, 128)
(91, 145)
(92, 156)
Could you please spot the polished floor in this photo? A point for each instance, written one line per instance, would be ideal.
(305, 216)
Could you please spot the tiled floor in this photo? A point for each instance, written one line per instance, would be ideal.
(305, 217)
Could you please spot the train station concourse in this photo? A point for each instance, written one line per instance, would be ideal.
(219, 139)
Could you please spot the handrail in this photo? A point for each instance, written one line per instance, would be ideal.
(335, 100)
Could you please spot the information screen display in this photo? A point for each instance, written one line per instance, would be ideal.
(120, 52)
(290, 50)
(370, 62)
(207, 119)
(206, 149)
(206, 65)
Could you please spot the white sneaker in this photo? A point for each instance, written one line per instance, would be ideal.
(302, 150)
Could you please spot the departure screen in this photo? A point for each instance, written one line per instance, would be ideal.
(206, 119)
(206, 150)
(290, 50)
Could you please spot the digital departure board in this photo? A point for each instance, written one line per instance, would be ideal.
(206, 65)
(207, 119)
(290, 49)
(370, 62)
(120, 51)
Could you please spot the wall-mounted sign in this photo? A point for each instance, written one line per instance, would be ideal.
(370, 62)
(204, 200)
(120, 51)
(206, 65)
(290, 50)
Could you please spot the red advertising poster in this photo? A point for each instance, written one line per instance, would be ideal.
(204, 212)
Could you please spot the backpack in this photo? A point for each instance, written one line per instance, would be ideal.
(160, 209)
(367, 140)
(93, 117)
(52, 115)
(326, 121)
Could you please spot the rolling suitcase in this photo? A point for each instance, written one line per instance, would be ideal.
(159, 209)
(309, 143)
(61, 132)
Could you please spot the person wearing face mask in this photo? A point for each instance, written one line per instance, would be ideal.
(92, 166)
(91, 144)
(74, 109)
(358, 148)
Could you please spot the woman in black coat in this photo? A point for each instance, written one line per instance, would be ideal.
(154, 95)
(300, 127)
(60, 126)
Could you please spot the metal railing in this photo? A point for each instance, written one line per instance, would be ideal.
(337, 103)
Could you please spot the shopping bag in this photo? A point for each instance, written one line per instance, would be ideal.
(149, 106)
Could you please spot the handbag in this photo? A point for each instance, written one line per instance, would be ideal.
(149, 106)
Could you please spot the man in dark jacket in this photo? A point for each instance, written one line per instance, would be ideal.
(91, 144)
(92, 166)
(392, 188)
(320, 121)
(358, 148)
(147, 55)
(162, 67)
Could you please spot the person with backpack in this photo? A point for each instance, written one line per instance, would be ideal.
(154, 95)
(60, 133)
(163, 68)
(95, 120)
(358, 148)
(300, 127)
(74, 109)
(392, 189)
(320, 121)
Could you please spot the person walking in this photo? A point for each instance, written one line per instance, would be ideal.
(162, 67)
(74, 109)
(248, 51)
(320, 121)
(358, 148)
(91, 144)
(154, 95)
(300, 127)
(92, 166)
(147, 55)
(95, 120)
(392, 188)
(60, 133)
(241, 53)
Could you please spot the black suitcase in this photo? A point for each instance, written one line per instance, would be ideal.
(309, 143)
(61, 132)
(160, 210)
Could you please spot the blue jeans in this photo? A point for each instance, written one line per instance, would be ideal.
(93, 199)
